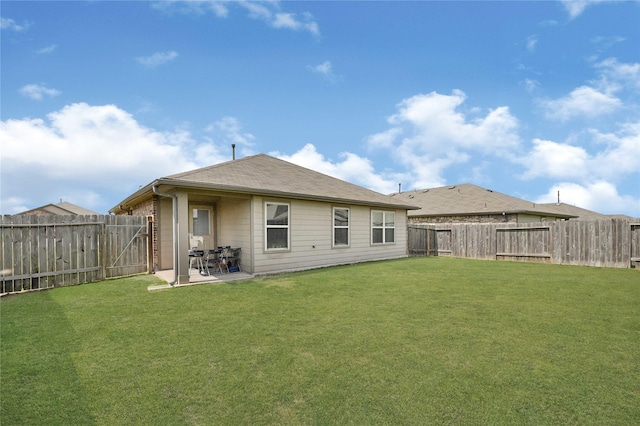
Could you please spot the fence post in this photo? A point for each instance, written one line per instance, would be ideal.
(103, 246)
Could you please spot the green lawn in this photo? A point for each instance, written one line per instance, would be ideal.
(412, 341)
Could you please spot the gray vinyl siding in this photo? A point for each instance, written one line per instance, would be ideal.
(234, 225)
(312, 237)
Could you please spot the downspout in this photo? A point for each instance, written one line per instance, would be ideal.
(174, 199)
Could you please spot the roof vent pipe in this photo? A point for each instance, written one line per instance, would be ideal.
(399, 188)
(233, 150)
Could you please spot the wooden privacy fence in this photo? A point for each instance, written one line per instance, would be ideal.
(606, 243)
(50, 251)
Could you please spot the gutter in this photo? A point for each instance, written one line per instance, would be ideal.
(174, 199)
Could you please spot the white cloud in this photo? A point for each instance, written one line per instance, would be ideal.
(228, 130)
(584, 101)
(576, 7)
(599, 196)
(429, 134)
(532, 42)
(432, 122)
(352, 168)
(11, 25)
(82, 150)
(589, 179)
(47, 50)
(157, 59)
(626, 74)
(555, 160)
(15, 204)
(618, 157)
(292, 22)
(37, 92)
(621, 153)
(384, 140)
(530, 85)
(325, 69)
(101, 143)
(603, 43)
(267, 11)
(196, 7)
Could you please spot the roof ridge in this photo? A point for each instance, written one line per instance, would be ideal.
(213, 166)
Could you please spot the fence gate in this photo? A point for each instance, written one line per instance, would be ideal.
(126, 245)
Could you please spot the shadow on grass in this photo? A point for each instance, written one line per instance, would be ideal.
(40, 384)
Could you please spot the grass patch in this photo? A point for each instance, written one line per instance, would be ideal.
(411, 341)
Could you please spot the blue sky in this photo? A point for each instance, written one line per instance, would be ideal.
(525, 98)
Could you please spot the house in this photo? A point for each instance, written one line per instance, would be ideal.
(282, 216)
(469, 203)
(62, 208)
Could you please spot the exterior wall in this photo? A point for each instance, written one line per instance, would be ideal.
(311, 237)
(234, 227)
(530, 218)
(239, 222)
(148, 207)
(495, 218)
(40, 212)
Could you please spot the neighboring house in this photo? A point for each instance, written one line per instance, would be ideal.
(469, 203)
(62, 208)
(284, 217)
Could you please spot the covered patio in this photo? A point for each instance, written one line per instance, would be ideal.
(196, 278)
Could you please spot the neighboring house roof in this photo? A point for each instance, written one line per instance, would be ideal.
(62, 208)
(580, 213)
(471, 200)
(265, 175)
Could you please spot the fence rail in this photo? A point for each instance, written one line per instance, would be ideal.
(41, 252)
(606, 243)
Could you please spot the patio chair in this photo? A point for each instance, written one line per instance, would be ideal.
(214, 257)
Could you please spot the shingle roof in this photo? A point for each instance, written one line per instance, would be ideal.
(468, 199)
(582, 214)
(266, 175)
(74, 209)
(62, 208)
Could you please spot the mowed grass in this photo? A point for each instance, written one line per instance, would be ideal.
(409, 342)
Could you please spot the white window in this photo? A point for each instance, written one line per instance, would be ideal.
(383, 227)
(340, 226)
(276, 226)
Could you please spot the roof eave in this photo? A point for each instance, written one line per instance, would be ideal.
(134, 198)
(537, 213)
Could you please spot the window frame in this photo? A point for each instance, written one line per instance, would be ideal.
(197, 221)
(384, 228)
(334, 227)
(267, 227)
